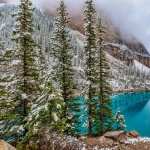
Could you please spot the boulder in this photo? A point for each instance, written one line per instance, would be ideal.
(133, 134)
(116, 135)
(5, 146)
(92, 141)
(102, 141)
(105, 141)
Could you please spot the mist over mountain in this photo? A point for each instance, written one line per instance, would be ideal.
(130, 17)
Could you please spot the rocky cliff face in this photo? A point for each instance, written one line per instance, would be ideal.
(112, 33)
(115, 35)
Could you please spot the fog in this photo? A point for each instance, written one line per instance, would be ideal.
(130, 16)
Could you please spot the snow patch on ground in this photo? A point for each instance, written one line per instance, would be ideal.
(2, 25)
(120, 46)
(141, 67)
(137, 140)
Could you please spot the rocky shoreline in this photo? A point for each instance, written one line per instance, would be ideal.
(116, 140)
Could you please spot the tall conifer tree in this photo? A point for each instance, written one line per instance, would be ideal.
(62, 52)
(90, 52)
(26, 69)
(104, 88)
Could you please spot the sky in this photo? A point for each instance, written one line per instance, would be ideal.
(132, 17)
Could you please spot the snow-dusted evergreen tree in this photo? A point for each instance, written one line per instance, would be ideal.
(104, 88)
(62, 52)
(6, 103)
(25, 59)
(90, 52)
(47, 113)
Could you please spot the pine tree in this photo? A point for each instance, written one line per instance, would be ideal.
(48, 112)
(90, 52)
(5, 102)
(25, 58)
(104, 88)
(62, 52)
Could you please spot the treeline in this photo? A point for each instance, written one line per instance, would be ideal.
(25, 86)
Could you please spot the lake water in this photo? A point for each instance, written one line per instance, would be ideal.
(136, 109)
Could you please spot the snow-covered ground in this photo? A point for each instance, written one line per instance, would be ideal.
(141, 67)
(137, 140)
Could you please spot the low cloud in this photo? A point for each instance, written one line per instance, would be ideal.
(130, 16)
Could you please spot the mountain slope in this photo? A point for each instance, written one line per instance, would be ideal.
(122, 74)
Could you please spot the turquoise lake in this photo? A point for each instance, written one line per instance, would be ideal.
(135, 107)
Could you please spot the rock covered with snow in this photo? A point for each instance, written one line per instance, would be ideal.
(137, 140)
(115, 135)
